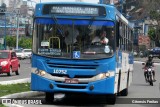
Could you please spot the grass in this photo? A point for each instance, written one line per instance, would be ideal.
(1, 105)
(14, 88)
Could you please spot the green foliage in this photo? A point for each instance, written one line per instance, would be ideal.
(24, 42)
(152, 33)
(11, 41)
(154, 14)
(14, 88)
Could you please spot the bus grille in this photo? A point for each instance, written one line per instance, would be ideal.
(76, 76)
(74, 66)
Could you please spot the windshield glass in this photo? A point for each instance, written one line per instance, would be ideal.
(4, 55)
(83, 39)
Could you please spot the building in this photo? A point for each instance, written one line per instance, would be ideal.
(17, 11)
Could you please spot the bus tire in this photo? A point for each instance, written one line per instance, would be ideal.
(49, 97)
(125, 91)
(111, 99)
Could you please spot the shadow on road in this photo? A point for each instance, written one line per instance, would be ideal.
(85, 101)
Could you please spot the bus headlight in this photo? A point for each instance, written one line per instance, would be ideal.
(39, 72)
(105, 75)
(42, 73)
(110, 74)
(101, 76)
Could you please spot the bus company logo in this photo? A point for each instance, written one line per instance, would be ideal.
(6, 101)
(22, 101)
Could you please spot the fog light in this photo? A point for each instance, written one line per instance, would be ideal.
(91, 87)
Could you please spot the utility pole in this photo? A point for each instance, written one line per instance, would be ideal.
(17, 37)
(5, 34)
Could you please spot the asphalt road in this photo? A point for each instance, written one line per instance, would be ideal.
(139, 90)
(25, 71)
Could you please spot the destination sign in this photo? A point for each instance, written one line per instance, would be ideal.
(75, 10)
(54, 52)
(72, 9)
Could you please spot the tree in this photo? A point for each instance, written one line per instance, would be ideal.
(11, 41)
(23, 42)
(152, 33)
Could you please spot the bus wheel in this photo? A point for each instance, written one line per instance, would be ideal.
(111, 98)
(49, 97)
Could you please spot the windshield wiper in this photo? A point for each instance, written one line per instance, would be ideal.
(59, 27)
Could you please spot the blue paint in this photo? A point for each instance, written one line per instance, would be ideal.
(131, 58)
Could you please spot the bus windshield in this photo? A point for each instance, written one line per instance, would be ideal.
(68, 38)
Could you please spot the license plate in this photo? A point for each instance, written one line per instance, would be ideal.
(71, 81)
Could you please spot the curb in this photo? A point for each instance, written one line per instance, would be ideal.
(25, 80)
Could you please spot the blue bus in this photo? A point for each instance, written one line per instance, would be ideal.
(68, 59)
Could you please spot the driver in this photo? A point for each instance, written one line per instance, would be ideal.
(148, 63)
(101, 38)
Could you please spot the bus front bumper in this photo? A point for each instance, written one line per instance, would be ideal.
(104, 86)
